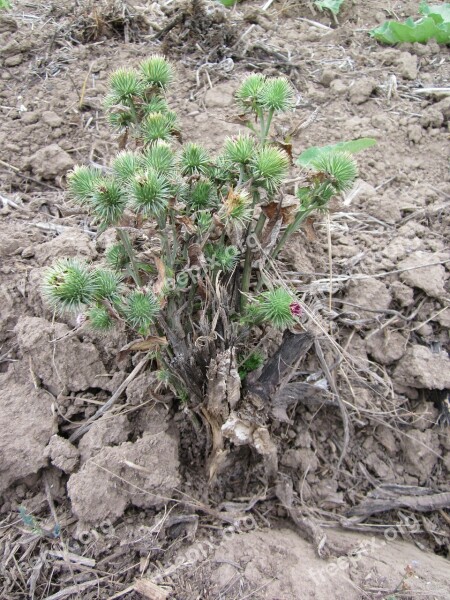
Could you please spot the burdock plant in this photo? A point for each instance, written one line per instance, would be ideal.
(197, 234)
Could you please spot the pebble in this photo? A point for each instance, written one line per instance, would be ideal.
(220, 96)
(421, 49)
(388, 56)
(431, 117)
(361, 90)
(433, 47)
(338, 86)
(57, 133)
(415, 133)
(13, 61)
(29, 118)
(444, 107)
(424, 330)
(407, 66)
(50, 118)
(27, 252)
(381, 121)
(99, 65)
(50, 162)
(328, 75)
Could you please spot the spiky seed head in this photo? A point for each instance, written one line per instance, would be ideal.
(159, 156)
(120, 120)
(172, 120)
(274, 306)
(163, 375)
(126, 164)
(277, 94)
(141, 310)
(239, 150)
(339, 166)
(108, 201)
(203, 220)
(156, 126)
(194, 160)
(201, 195)
(254, 361)
(237, 209)
(248, 93)
(116, 257)
(179, 187)
(157, 71)
(223, 258)
(69, 285)
(125, 85)
(269, 166)
(99, 318)
(155, 104)
(108, 284)
(149, 193)
(81, 183)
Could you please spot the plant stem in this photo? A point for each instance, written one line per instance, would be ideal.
(292, 228)
(247, 272)
(260, 224)
(265, 133)
(125, 239)
(161, 219)
(262, 125)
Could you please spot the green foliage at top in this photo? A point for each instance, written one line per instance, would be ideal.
(435, 24)
(5, 5)
(332, 5)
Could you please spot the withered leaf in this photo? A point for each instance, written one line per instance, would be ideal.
(123, 139)
(152, 342)
(274, 212)
(195, 255)
(308, 227)
(187, 222)
(287, 147)
(159, 283)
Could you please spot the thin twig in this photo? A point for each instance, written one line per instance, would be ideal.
(122, 387)
(330, 262)
(432, 90)
(62, 228)
(75, 589)
(342, 407)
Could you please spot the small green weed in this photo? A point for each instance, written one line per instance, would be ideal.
(435, 24)
(333, 6)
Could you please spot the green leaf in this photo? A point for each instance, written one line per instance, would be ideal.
(307, 157)
(440, 11)
(229, 3)
(332, 5)
(435, 24)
